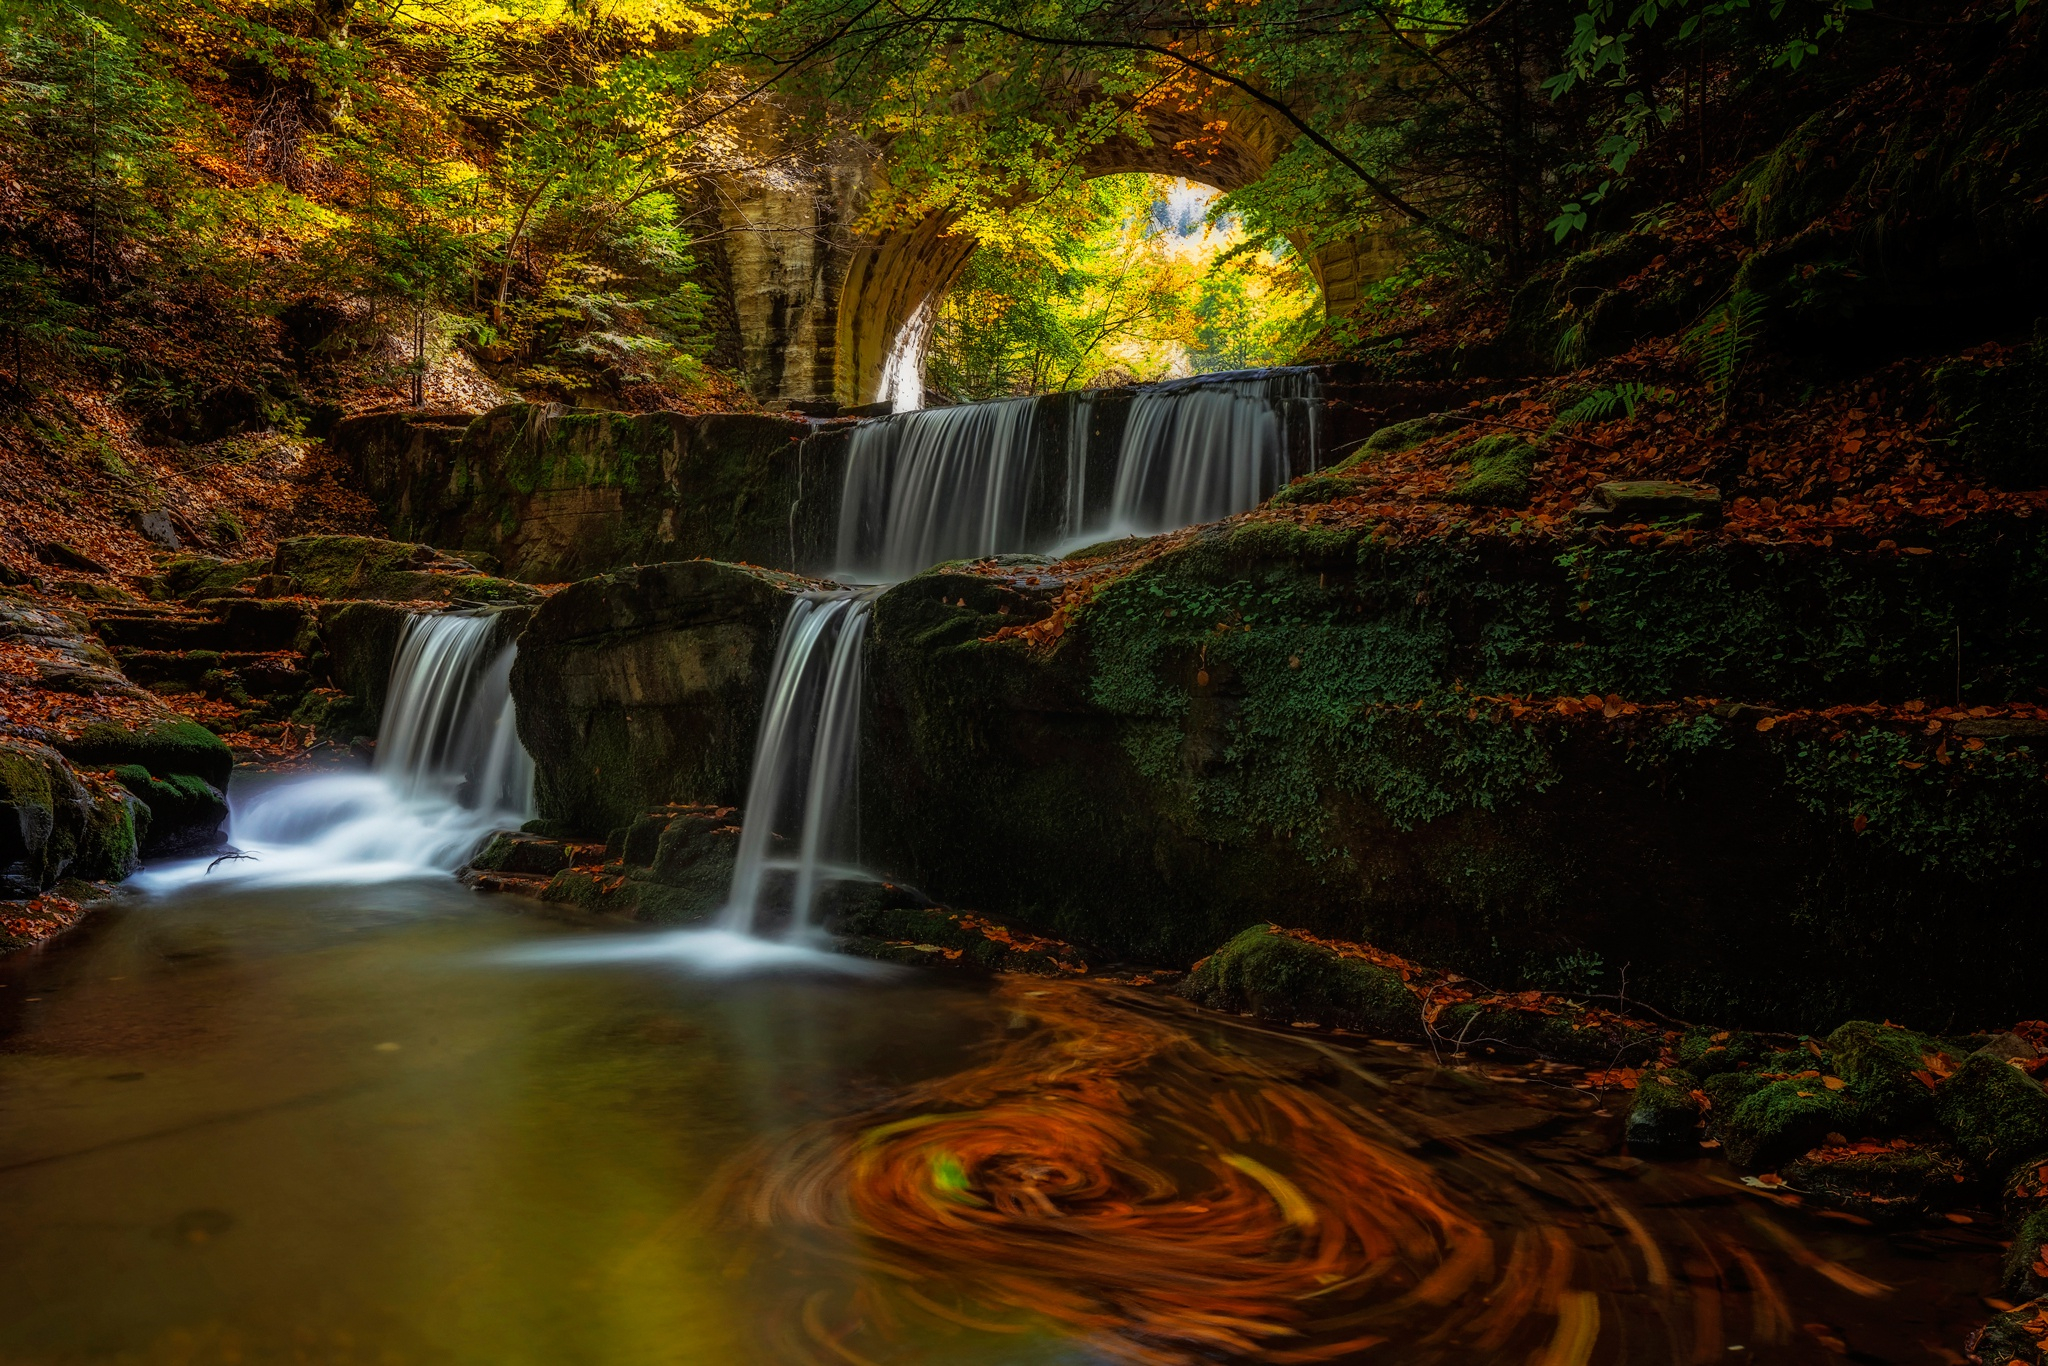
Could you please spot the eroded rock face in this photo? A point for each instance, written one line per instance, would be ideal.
(553, 496)
(645, 687)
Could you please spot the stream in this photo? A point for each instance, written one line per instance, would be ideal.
(397, 1124)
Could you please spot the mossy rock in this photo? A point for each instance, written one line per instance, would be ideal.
(1665, 1119)
(645, 687)
(1563, 1032)
(1895, 1185)
(2029, 1249)
(197, 578)
(366, 567)
(2026, 1190)
(184, 811)
(1709, 1052)
(1878, 1061)
(2007, 1338)
(110, 846)
(1782, 1119)
(1326, 486)
(529, 855)
(1996, 1113)
(878, 921)
(1402, 436)
(163, 745)
(1499, 472)
(604, 892)
(1726, 1090)
(1275, 976)
(45, 812)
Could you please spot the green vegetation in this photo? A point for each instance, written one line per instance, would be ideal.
(1114, 280)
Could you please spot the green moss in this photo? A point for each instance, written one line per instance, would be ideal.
(1665, 1118)
(1996, 1114)
(1781, 1119)
(2029, 1241)
(1709, 1052)
(1878, 1062)
(183, 810)
(110, 848)
(1323, 487)
(1277, 977)
(163, 745)
(1500, 467)
(365, 567)
(196, 578)
(1401, 436)
(874, 926)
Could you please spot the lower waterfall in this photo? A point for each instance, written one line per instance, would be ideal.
(802, 813)
(449, 769)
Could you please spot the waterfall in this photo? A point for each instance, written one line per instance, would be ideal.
(962, 483)
(942, 484)
(448, 729)
(1201, 449)
(1080, 427)
(800, 828)
(449, 770)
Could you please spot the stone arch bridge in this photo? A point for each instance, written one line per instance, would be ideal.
(811, 306)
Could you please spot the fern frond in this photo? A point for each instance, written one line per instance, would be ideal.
(1601, 404)
(1722, 340)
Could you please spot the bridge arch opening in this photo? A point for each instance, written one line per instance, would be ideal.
(1126, 277)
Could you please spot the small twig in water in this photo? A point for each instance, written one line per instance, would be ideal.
(230, 855)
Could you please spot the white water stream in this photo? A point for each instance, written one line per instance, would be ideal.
(944, 484)
(449, 770)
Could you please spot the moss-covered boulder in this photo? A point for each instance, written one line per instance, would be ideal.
(1497, 472)
(164, 745)
(1651, 500)
(1996, 1114)
(183, 812)
(2013, 1336)
(1879, 1062)
(1267, 973)
(526, 855)
(111, 845)
(1894, 1183)
(367, 567)
(555, 495)
(197, 578)
(44, 812)
(1666, 1116)
(1400, 436)
(1709, 1052)
(1781, 1119)
(644, 687)
(1550, 1028)
(2026, 1261)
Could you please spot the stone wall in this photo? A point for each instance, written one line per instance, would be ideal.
(1394, 744)
(551, 496)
